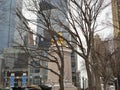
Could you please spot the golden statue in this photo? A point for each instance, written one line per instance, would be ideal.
(59, 40)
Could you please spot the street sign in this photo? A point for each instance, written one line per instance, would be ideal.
(12, 81)
(24, 81)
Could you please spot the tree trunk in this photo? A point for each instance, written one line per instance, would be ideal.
(61, 82)
(97, 82)
(90, 80)
(105, 85)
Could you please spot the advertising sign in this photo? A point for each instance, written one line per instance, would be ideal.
(12, 81)
(24, 80)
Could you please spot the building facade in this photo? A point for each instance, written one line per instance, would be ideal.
(15, 66)
(116, 24)
(10, 21)
(14, 32)
(116, 15)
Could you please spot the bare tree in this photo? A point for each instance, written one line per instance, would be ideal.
(116, 67)
(81, 17)
(105, 61)
(43, 52)
(107, 55)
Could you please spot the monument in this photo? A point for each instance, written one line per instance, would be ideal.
(54, 79)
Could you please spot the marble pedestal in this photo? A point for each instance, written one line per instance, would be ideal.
(67, 86)
(67, 70)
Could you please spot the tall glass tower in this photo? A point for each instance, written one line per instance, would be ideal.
(8, 22)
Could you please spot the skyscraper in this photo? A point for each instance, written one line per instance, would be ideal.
(9, 21)
(13, 27)
(116, 15)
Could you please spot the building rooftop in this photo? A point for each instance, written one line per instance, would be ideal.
(46, 6)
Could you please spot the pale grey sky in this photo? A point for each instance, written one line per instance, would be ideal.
(105, 21)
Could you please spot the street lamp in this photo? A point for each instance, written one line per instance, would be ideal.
(84, 82)
(31, 79)
(116, 83)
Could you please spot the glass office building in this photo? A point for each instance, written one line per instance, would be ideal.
(8, 22)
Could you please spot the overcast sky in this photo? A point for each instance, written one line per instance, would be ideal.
(105, 21)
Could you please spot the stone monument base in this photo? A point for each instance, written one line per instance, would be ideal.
(67, 86)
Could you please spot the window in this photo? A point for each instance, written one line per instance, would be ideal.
(37, 70)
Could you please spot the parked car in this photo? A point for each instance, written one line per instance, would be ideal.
(45, 87)
(17, 88)
(8, 88)
(33, 87)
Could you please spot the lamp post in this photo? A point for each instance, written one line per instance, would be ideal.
(83, 83)
(116, 83)
(31, 79)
